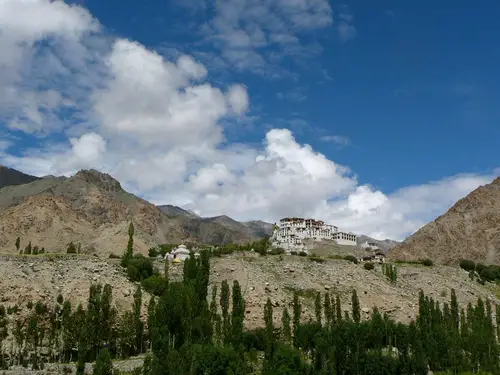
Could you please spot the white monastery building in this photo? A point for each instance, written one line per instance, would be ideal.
(369, 245)
(292, 231)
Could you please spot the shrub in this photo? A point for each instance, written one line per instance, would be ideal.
(153, 252)
(113, 256)
(155, 285)
(293, 253)
(427, 262)
(369, 266)
(335, 256)
(71, 249)
(317, 259)
(303, 254)
(139, 268)
(479, 267)
(276, 251)
(489, 273)
(351, 258)
(467, 265)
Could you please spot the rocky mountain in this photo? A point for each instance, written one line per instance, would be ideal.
(218, 229)
(174, 211)
(91, 208)
(9, 176)
(469, 230)
(384, 245)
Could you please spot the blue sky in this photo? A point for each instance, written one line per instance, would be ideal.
(375, 115)
(414, 90)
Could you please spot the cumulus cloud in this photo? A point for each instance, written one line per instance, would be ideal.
(157, 126)
(28, 101)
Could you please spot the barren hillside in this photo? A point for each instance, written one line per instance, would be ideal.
(92, 209)
(278, 277)
(33, 278)
(43, 278)
(469, 230)
(89, 208)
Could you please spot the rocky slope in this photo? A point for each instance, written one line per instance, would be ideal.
(92, 209)
(218, 229)
(277, 277)
(10, 177)
(384, 245)
(469, 230)
(43, 278)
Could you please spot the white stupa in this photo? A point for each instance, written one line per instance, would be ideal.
(181, 252)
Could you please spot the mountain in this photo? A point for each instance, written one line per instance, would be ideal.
(92, 208)
(384, 245)
(469, 230)
(10, 177)
(260, 228)
(174, 211)
(218, 229)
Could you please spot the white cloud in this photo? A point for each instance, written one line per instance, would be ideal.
(256, 35)
(341, 140)
(24, 104)
(157, 126)
(238, 99)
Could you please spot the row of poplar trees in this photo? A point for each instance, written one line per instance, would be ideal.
(188, 331)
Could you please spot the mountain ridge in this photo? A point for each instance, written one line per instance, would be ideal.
(470, 229)
(13, 177)
(93, 209)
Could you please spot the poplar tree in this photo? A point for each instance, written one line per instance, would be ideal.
(297, 311)
(268, 319)
(103, 364)
(328, 309)
(224, 304)
(18, 243)
(285, 322)
(138, 323)
(356, 311)
(130, 244)
(317, 308)
(238, 313)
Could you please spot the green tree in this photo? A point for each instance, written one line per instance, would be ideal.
(103, 364)
(285, 321)
(18, 243)
(297, 311)
(356, 310)
(27, 250)
(224, 304)
(71, 249)
(238, 313)
(138, 323)
(318, 308)
(268, 319)
(130, 244)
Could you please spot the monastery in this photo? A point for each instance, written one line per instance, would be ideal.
(291, 233)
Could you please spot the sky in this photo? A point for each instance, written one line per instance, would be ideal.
(375, 116)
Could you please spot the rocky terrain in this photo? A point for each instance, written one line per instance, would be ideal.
(11, 177)
(277, 277)
(92, 209)
(43, 278)
(469, 230)
(203, 227)
(34, 278)
(384, 245)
